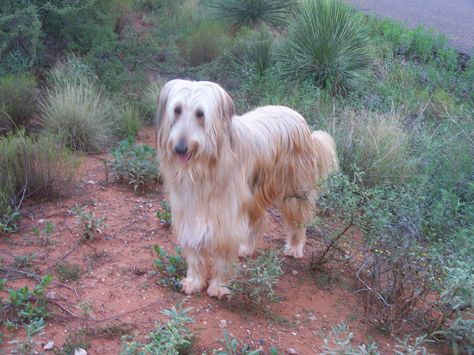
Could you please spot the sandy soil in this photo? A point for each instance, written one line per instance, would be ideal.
(118, 290)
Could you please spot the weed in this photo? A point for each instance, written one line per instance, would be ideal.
(172, 337)
(172, 267)
(326, 43)
(128, 121)
(75, 340)
(25, 262)
(254, 13)
(164, 214)
(68, 272)
(43, 234)
(340, 343)
(135, 164)
(92, 226)
(29, 345)
(255, 284)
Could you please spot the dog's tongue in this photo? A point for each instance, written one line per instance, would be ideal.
(184, 157)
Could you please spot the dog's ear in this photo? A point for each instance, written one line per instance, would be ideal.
(163, 102)
(227, 105)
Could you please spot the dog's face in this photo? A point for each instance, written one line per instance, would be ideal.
(193, 118)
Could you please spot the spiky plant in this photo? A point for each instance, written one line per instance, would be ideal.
(326, 42)
(254, 13)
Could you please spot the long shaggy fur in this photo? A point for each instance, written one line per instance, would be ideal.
(234, 168)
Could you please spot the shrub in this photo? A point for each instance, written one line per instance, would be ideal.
(135, 164)
(231, 347)
(80, 114)
(254, 286)
(31, 167)
(376, 145)
(68, 272)
(326, 43)
(18, 102)
(256, 53)
(254, 13)
(206, 42)
(164, 214)
(150, 98)
(173, 337)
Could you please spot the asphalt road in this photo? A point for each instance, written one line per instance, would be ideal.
(454, 18)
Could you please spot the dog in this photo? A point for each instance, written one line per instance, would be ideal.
(223, 171)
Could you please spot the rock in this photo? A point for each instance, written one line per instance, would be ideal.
(292, 351)
(49, 345)
(80, 351)
(312, 318)
(223, 324)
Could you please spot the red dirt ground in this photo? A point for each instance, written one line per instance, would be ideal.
(120, 288)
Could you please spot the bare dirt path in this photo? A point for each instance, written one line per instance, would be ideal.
(454, 18)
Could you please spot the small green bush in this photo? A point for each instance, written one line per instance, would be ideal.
(135, 164)
(254, 13)
(18, 102)
(68, 272)
(171, 338)
(254, 286)
(164, 214)
(149, 101)
(80, 114)
(90, 225)
(327, 43)
(375, 145)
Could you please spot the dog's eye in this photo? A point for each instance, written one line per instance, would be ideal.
(177, 110)
(200, 115)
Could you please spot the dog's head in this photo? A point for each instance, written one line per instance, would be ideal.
(193, 119)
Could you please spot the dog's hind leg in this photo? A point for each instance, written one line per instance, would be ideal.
(197, 272)
(297, 213)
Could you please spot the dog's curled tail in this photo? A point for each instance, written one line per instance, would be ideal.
(326, 153)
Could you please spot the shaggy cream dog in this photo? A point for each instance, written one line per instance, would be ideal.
(223, 171)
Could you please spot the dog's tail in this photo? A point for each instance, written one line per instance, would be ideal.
(326, 153)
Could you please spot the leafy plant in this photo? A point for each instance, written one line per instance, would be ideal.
(135, 164)
(255, 284)
(254, 13)
(172, 267)
(92, 226)
(28, 345)
(326, 43)
(164, 214)
(171, 338)
(24, 306)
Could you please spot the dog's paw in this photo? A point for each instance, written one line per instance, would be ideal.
(218, 291)
(295, 251)
(191, 285)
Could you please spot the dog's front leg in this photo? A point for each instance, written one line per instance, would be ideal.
(198, 268)
(223, 269)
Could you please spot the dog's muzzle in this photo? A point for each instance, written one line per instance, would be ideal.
(182, 150)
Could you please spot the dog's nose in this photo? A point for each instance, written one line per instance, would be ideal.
(181, 148)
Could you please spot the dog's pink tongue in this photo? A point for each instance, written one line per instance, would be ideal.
(183, 158)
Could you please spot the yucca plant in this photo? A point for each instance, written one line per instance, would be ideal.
(254, 13)
(328, 43)
(256, 53)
